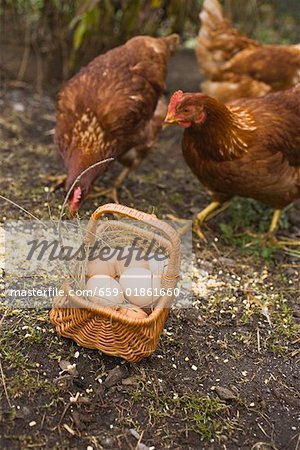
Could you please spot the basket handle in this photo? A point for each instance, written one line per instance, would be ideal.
(140, 216)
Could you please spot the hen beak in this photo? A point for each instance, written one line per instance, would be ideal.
(169, 120)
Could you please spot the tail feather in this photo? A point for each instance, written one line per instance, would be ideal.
(212, 12)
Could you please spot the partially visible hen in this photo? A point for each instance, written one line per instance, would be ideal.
(237, 66)
(235, 86)
(111, 106)
(248, 148)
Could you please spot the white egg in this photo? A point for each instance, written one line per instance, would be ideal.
(105, 264)
(140, 286)
(158, 263)
(106, 289)
(130, 257)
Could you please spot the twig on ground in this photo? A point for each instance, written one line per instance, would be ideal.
(4, 385)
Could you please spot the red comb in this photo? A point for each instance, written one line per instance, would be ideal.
(76, 198)
(176, 97)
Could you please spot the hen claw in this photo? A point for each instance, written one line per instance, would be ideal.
(283, 241)
(197, 230)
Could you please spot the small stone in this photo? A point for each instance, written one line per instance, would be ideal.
(225, 393)
(194, 367)
(114, 376)
(131, 381)
(32, 423)
(18, 107)
(134, 433)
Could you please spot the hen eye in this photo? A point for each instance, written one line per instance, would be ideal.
(185, 110)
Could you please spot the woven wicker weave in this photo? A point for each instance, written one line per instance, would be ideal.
(104, 328)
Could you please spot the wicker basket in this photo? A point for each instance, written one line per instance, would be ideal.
(105, 328)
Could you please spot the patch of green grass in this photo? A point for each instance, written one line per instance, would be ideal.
(176, 198)
(22, 332)
(207, 416)
(282, 329)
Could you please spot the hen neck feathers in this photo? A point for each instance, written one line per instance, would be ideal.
(227, 132)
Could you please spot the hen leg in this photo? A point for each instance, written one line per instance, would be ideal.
(131, 163)
(274, 223)
(214, 208)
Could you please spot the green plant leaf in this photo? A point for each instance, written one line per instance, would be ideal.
(79, 34)
(156, 3)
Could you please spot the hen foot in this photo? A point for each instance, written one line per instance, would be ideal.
(198, 231)
(110, 193)
(57, 180)
(271, 238)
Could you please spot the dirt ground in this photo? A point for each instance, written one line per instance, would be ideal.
(226, 372)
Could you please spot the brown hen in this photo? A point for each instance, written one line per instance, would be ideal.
(248, 148)
(111, 106)
(236, 66)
